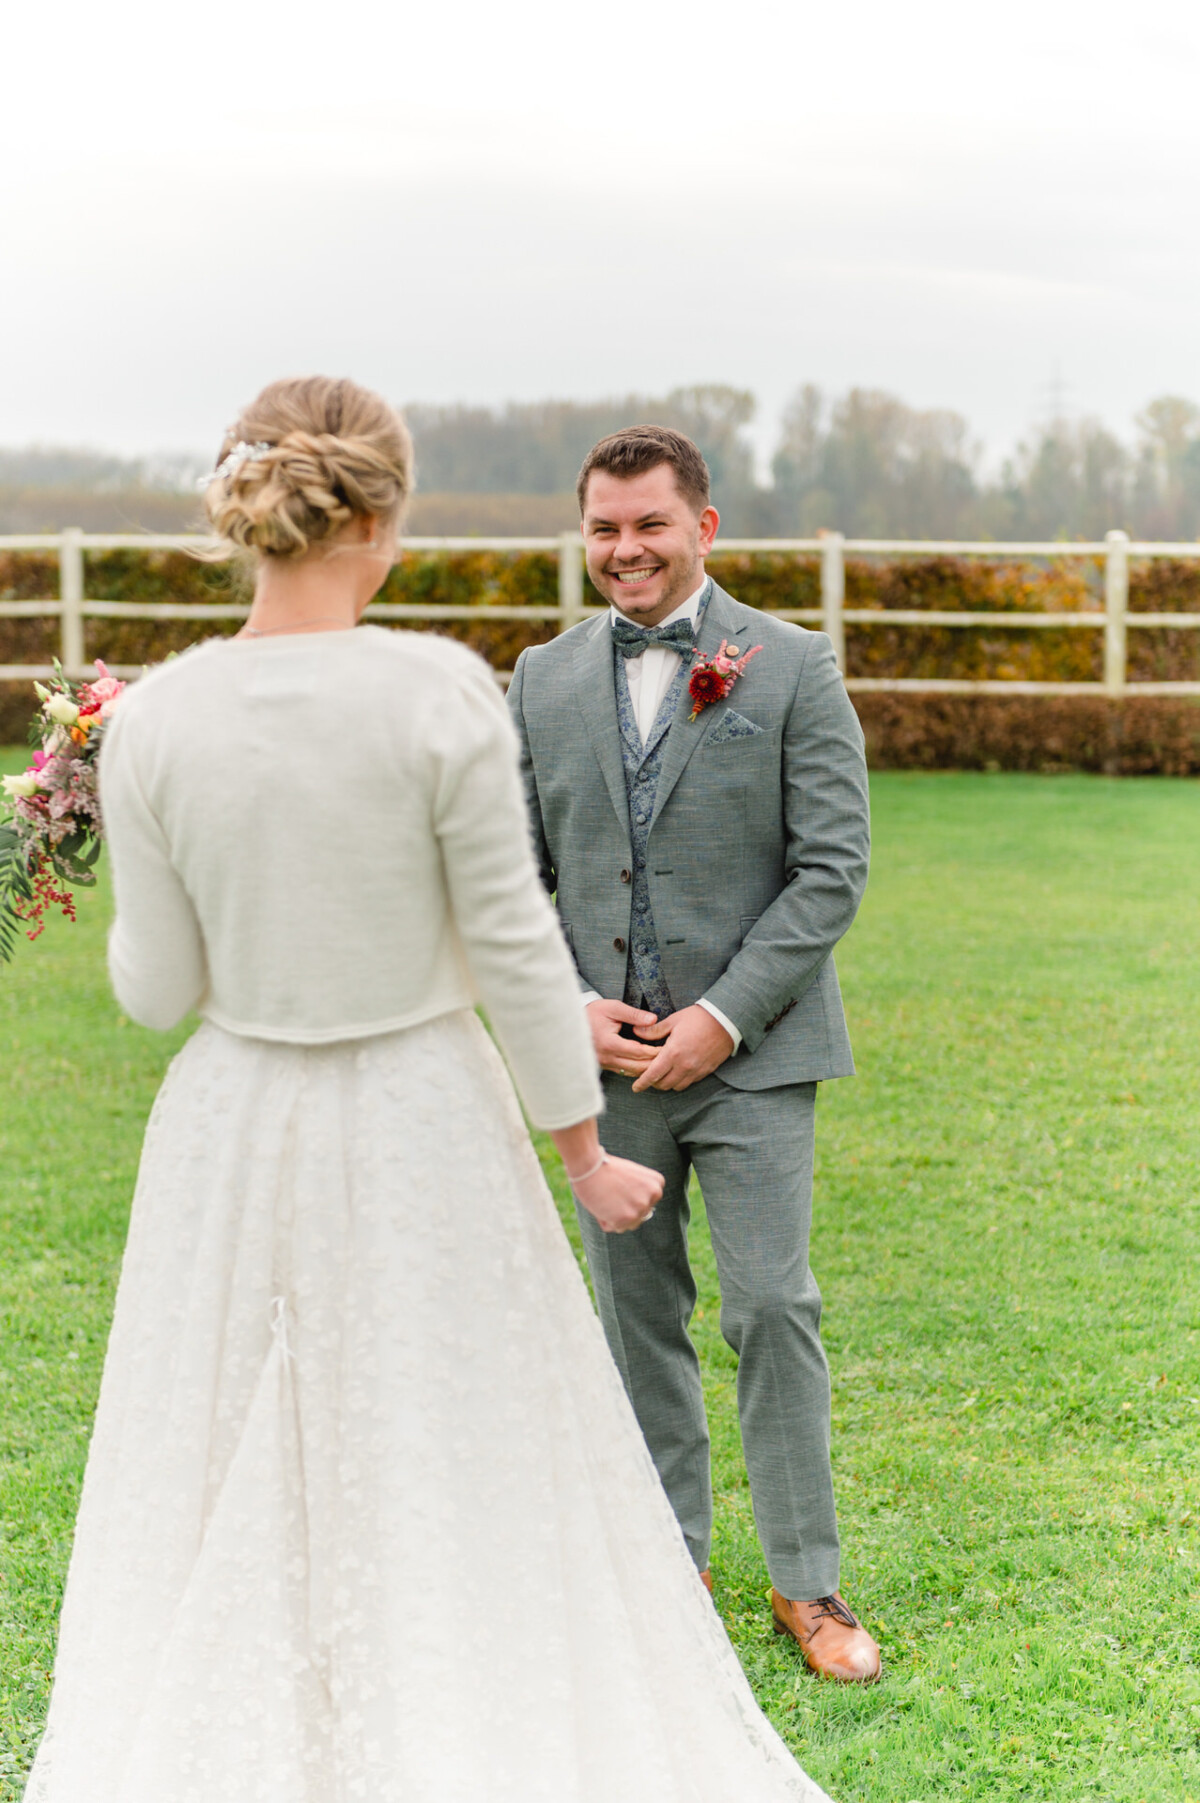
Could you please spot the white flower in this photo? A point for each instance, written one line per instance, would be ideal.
(16, 787)
(62, 709)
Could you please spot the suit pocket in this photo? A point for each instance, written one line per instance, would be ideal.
(733, 728)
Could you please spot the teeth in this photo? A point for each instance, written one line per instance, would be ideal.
(631, 576)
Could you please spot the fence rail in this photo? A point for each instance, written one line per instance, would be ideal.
(73, 606)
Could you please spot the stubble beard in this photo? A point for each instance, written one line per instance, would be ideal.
(682, 583)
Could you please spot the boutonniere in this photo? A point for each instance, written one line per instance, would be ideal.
(713, 677)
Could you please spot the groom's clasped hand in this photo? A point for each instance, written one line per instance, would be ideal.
(672, 1053)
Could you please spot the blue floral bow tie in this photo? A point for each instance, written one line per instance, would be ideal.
(632, 640)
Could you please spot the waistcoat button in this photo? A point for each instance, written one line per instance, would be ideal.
(618, 945)
(626, 877)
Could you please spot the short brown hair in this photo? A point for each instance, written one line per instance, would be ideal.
(303, 459)
(640, 448)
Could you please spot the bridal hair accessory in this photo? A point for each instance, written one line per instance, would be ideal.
(231, 463)
(54, 830)
(713, 677)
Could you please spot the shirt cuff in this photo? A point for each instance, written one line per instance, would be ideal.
(590, 995)
(722, 1020)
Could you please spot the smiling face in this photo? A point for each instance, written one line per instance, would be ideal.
(645, 543)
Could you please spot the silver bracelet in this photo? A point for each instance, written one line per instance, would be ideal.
(576, 1181)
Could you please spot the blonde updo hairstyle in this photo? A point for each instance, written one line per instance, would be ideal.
(314, 454)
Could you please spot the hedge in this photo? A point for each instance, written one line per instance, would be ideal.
(1138, 736)
(919, 731)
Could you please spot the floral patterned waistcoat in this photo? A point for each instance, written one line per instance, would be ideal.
(645, 985)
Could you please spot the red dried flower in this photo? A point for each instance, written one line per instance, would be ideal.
(46, 894)
(713, 677)
(706, 686)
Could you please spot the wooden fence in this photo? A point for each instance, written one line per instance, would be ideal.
(72, 605)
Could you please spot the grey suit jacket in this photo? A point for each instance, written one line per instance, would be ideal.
(759, 845)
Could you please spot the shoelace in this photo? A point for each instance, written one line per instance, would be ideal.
(832, 1608)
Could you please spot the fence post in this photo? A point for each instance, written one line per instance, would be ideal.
(570, 579)
(1116, 606)
(833, 592)
(70, 593)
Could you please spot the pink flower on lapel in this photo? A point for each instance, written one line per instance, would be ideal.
(713, 677)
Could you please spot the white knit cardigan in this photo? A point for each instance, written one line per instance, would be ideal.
(320, 837)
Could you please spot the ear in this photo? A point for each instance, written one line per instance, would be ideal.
(710, 520)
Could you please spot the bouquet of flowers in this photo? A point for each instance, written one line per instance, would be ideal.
(52, 837)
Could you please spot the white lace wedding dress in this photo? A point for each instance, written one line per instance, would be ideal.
(367, 1514)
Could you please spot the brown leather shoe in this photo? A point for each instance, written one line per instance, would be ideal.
(834, 1642)
(706, 1580)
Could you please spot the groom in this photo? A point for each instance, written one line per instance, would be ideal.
(706, 860)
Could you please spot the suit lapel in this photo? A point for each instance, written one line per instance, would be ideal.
(596, 695)
(720, 621)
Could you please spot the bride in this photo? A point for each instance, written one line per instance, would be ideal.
(366, 1514)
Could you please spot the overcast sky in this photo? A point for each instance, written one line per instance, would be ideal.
(475, 202)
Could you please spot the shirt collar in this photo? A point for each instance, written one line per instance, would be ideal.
(687, 610)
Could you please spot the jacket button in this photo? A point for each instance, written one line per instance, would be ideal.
(618, 945)
(626, 877)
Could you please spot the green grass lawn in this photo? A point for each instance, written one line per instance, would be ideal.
(1006, 1237)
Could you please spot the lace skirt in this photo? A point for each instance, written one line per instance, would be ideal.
(367, 1514)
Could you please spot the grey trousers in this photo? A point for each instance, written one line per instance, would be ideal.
(753, 1154)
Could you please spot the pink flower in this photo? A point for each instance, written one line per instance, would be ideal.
(713, 677)
(101, 697)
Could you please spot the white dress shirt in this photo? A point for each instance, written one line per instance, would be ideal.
(649, 677)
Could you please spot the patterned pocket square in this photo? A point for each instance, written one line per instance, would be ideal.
(733, 726)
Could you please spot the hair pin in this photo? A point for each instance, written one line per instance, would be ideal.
(233, 461)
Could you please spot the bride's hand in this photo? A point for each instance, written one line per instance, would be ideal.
(620, 1194)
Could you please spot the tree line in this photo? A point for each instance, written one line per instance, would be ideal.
(863, 462)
